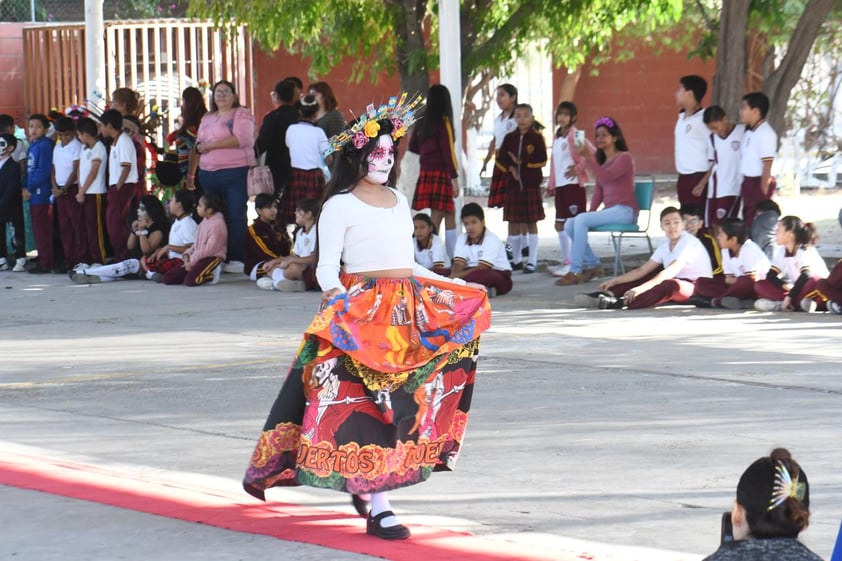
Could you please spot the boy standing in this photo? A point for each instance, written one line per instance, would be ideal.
(758, 151)
(691, 138)
(65, 187)
(122, 182)
(668, 276)
(39, 169)
(724, 154)
(11, 203)
(91, 194)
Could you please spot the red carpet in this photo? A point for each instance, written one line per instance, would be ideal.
(240, 513)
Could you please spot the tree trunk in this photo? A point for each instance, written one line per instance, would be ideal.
(567, 89)
(411, 50)
(729, 80)
(780, 83)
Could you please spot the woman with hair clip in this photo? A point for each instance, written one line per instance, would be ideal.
(772, 507)
(379, 393)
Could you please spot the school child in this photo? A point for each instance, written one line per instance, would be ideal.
(128, 102)
(668, 276)
(202, 262)
(91, 196)
(724, 154)
(149, 232)
(567, 178)
(691, 138)
(122, 182)
(743, 264)
(182, 236)
(7, 126)
(265, 241)
(438, 182)
(694, 220)
(827, 295)
(306, 141)
(504, 123)
(65, 187)
(757, 152)
(429, 249)
(767, 213)
(480, 256)
(39, 168)
(795, 271)
(296, 272)
(11, 205)
(524, 153)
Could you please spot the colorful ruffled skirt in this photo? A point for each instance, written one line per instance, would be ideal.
(379, 392)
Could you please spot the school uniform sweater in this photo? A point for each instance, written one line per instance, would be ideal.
(263, 243)
(436, 152)
(39, 166)
(531, 150)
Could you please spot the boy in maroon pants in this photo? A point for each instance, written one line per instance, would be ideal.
(39, 168)
(65, 188)
(122, 182)
(91, 194)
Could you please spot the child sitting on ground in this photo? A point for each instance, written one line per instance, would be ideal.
(694, 223)
(796, 269)
(202, 262)
(429, 248)
(480, 256)
(182, 236)
(743, 263)
(668, 276)
(265, 241)
(296, 272)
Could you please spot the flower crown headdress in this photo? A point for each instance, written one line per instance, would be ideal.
(606, 122)
(400, 111)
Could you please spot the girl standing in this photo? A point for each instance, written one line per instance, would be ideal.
(184, 137)
(504, 123)
(613, 167)
(796, 269)
(438, 181)
(524, 153)
(429, 249)
(374, 401)
(567, 177)
(306, 142)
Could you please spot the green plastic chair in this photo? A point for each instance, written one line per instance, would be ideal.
(644, 192)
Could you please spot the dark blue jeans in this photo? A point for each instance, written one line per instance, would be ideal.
(230, 185)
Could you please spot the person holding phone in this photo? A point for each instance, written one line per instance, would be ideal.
(772, 507)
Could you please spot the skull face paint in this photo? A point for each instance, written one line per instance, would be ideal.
(381, 160)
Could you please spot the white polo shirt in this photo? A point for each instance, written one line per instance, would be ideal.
(490, 251)
(63, 157)
(433, 255)
(86, 161)
(502, 127)
(305, 242)
(695, 261)
(759, 144)
(122, 152)
(751, 259)
(691, 137)
(306, 142)
(182, 232)
(562, 160)
(725, 154)
(789, 267)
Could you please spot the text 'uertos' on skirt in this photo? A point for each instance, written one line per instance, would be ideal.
(303, 184)
(434, 190)
(378, 395)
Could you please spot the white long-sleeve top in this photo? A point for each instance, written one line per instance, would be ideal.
(366, 238)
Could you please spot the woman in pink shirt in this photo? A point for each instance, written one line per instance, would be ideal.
(225, 144)
(613, 168)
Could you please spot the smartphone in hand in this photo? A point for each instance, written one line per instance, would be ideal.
(726, 533)
(579, 138)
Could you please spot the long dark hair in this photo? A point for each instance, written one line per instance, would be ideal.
(568, 106)
(805, 232)
(155, 210)
(610, 124)
(192, 109)
(438, 108)
(512, 91)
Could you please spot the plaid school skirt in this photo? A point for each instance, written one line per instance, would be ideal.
(302, 184)
(378, 395)
(523, 205)
(497, 191)
(434, 190)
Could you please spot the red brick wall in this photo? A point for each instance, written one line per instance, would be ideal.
(640, 95)
(11, 70)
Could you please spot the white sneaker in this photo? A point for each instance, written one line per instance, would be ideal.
(560, 270)
(79, 267)
(589, 300)
(287, 285)
(766, 305)
(20, 265)
(834, 307)
(265, 283)
(4, 265)
(234, 267)
(217, 273)
(809, 305)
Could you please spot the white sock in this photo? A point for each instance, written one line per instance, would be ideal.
(514, 241)
(450, 241)
(533, 249)
(380, 503)
(564, 243)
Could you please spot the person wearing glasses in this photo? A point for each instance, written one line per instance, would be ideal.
(225, 149)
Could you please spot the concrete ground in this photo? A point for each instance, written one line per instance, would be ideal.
(588, 427)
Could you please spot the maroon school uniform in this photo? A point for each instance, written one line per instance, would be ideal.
(437, 159)
(264, 242)
(524, 201)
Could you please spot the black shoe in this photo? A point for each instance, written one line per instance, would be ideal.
(700, 301)
(38, 270)
(373, 528)
(509, 254)
(610, 303)
(517, 266)
(524, 252)
(360, 504)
